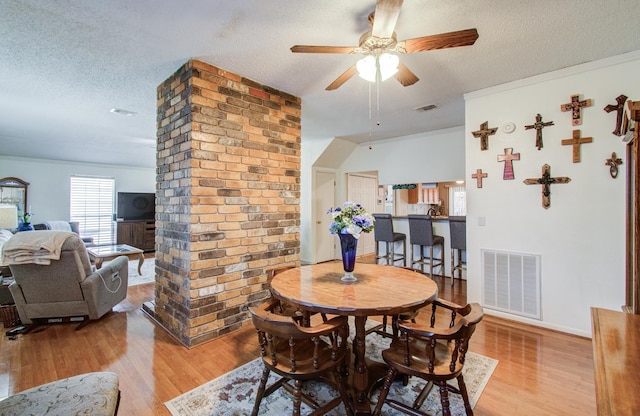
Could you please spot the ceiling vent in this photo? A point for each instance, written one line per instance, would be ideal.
(123, 112)
(427, 107)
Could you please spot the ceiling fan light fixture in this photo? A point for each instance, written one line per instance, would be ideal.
(367, 68)
(388, 64)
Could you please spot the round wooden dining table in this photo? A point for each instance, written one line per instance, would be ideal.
(379, 290)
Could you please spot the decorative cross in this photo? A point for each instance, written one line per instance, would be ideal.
(546, 180)
(508, 157)
(538, 125)
(478, 176)
(484, 134)
(619, 109)
(575, 106)
(613, 164)
(576, 141)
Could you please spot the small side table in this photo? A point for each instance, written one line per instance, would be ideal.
(8, 312)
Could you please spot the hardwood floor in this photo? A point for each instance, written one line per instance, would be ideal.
(540, 372)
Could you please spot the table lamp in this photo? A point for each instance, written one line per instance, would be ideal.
(8, 216)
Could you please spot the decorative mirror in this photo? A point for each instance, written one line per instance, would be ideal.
(14, 191)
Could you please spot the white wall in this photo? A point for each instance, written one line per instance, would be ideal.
(48, 192)
(581, 237)
(427, 157)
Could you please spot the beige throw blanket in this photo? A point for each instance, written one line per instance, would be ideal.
(38, 247)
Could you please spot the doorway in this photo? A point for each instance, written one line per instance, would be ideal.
(323, 199)
(362, 189)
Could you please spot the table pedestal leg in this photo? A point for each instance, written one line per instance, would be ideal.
(361, 375)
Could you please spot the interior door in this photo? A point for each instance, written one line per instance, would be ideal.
(362, 189)
(324, 198)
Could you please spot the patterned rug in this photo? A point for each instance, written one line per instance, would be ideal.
(234, 393)
(148, 272)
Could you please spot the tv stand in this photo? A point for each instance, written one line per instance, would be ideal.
(137, 233)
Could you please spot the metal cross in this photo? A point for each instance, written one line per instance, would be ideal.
(508, 157)
(484, 134)
(575, 106)
(613, 164)
(478, 176)
(576, 141)
(538, 125)
(619, 109)
(546, 180)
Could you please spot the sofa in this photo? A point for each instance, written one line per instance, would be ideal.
(73, 226)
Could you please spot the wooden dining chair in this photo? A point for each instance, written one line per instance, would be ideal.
(300, 353)
(436, 354)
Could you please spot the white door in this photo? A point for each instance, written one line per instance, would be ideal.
(362, 190)
(324, 198)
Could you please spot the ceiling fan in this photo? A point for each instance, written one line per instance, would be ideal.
(381, 40)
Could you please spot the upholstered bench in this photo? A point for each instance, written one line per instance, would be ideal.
(95, 394)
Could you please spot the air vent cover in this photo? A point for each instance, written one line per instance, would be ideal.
(511, 282)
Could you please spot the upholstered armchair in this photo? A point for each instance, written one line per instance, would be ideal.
(67, 288)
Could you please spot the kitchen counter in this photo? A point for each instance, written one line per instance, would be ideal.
(434, 218)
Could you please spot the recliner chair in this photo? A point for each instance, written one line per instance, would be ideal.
(68, 289)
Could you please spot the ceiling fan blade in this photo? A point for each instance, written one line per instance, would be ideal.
(322, 49)
(441, 41)
(405, 76)
(342, 78)
(385, 18)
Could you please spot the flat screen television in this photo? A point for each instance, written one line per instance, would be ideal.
(136, 206)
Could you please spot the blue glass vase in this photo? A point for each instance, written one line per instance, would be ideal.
(25, 226)
(348, 246)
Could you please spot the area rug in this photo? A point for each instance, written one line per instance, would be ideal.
(234, 393)
(148, 272)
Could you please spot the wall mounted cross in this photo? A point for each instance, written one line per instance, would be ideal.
(575, 106)
(538, 125)
(613, 164)
(508, 157)
(576, 141)
(478, 176)
(484, 134)
(546, 181)
(619, 109)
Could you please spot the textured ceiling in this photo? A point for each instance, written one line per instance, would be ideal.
(64, 64)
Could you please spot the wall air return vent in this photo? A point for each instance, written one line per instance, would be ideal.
(511, 283)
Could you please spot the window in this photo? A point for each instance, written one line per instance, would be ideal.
(91, 205)
(458, 198)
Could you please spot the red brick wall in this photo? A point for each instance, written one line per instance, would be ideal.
(228, 191)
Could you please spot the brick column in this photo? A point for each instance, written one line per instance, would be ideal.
(228, 189)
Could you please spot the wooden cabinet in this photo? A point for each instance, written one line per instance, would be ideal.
(413, 195)
(139, 234)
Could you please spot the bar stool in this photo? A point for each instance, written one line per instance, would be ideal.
(421, 235)
(458, 230)
(383, 232)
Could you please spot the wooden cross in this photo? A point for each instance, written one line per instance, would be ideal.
(575, 106)
(619, 109)
(613, 164)
(576, 141)
(538, 125)
(484, 134)
(478, 176)
(508, 157)
(546, 180)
